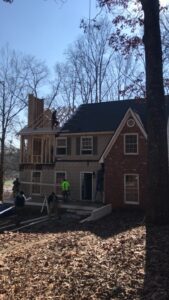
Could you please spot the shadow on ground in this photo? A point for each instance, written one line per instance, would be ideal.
(156, 281)
(112, 224)
(151, 283)
(156, 278)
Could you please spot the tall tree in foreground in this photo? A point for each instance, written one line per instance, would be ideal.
(158, 208)
(158, 192)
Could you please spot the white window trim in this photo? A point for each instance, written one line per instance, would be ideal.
(61, 138)
(130, 202)
(33, 171)
(81, 143)
(124, 144)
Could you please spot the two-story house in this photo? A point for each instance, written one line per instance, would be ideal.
(108, 134)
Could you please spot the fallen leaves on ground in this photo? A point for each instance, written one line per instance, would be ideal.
(66, 260)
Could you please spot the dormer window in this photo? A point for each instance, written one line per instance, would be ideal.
(61, 146)
(131, 143)
(86, 145)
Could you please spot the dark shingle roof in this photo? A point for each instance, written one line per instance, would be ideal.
(104, 116)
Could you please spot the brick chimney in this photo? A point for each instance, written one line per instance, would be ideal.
(35, 109)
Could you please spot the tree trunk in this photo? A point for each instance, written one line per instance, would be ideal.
(2, 167)
(158, 192)
(2, 148)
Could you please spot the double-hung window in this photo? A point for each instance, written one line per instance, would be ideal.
(131, 188)
(61, 146)
(131, 143)
(86, 145)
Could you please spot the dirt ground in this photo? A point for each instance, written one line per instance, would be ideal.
(117, 257)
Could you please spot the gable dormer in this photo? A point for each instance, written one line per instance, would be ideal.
(130, 121)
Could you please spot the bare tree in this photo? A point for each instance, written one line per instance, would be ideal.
(90, 57)
(62, 96)
(57, 1)
(102, 73)
(68, 86)
(36, 74)
(125, 78)
(165, 46)
(9, 1)
(14, 88)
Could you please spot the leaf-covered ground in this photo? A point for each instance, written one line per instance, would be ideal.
(114, 258)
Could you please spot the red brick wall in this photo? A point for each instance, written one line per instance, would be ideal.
(117, 164)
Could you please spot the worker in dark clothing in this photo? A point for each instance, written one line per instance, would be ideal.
(54, 122)
(53, 205)
(16, 187)
(19, 206)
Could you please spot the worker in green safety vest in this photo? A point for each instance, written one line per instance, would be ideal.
(65, 186)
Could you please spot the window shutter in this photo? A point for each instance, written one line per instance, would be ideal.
(78, 145)
(68, 146)
(95, 145)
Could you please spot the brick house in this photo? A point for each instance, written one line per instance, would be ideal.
(110, 134)
(126, 164)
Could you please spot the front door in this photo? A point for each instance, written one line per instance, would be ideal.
(86, 186)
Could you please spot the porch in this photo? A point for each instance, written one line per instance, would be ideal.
(81, 208)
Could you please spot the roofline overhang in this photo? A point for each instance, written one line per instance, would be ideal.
(38, 132)
(86, 133)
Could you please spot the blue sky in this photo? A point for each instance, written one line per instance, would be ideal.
(43, 28)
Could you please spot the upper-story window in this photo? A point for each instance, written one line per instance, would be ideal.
(37, 150)
(131, 143)
(61, 146)
(86, 145)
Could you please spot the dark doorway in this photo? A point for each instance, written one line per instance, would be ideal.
(86, 186)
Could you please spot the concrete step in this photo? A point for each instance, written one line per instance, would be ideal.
(79, 212)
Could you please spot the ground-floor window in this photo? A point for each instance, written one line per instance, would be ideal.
(36, 179)
(131, 188)
(60, 175)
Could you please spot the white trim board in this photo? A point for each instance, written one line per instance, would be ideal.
(127, 115)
